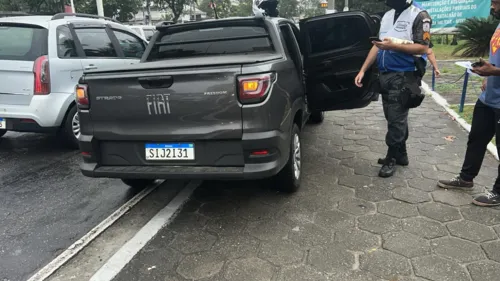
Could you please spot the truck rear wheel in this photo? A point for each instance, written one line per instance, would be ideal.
(317, 117)
(137, 183)
(289, 178)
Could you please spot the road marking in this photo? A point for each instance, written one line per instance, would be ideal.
(123, 256)
(76, 247)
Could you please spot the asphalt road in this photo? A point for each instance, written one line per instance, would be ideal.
(46, 204)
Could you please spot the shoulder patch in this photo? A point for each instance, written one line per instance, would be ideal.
(426, 36)
(427, 26)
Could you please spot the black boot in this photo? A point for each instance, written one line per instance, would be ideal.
(388, 169)
(402, 160)
(401, 157)
(389, 163)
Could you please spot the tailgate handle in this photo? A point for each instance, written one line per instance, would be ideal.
(156, 82)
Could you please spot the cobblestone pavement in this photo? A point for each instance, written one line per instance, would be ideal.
(345, 224)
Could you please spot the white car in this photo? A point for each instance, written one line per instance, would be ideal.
(43, 57)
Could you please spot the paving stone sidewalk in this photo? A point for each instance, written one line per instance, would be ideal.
(345, 224)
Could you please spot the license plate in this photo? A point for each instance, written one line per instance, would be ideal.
(169, 151)
(3, 123)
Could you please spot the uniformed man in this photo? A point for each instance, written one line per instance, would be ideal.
(405, 35)
(485, 124)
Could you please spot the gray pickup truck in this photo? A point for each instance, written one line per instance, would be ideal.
(222, 99)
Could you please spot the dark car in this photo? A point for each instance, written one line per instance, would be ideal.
(222, 99)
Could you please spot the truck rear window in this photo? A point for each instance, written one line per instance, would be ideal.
(25, 43)
(228, 40)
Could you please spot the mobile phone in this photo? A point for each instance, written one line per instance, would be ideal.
(478, 63)
(373, 38)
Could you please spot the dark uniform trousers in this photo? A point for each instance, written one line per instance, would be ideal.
(395, 113)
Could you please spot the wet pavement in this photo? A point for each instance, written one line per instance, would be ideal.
(46, 204)
(345, 223)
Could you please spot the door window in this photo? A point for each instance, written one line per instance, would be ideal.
(291, 45)
(343, 32)
(96, 42)
(66, 47)
(132, 46)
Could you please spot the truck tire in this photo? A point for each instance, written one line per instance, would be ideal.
(289, 178)
(137, 183)
(317, 117)
(71, 129)
(3, 132)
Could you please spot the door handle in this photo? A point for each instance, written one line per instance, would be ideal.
(327, 63)
(90, 67)
(156, 82)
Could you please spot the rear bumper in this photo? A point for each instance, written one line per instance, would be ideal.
(43, 113)
(249, 171)
(254, 167)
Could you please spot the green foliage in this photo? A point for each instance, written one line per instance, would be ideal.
(243, 9)
(476, 35)
(224, 8)
(369, 6)
(122, 9)
(288, 8)
(32, 6)
(175, 6)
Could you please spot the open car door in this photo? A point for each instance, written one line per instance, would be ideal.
(335, 47)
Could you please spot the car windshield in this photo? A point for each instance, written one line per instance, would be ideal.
(22, 43)
(226, 40)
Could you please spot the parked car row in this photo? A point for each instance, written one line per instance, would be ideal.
(215, 99)
(43, 57)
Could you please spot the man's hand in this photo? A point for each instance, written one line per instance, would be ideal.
(384, 45)
(487, 69)
(483, 87)
(359, 79)
(437, 72)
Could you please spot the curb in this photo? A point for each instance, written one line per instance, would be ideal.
(443, 103)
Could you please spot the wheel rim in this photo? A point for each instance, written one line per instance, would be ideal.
(296, 156)
(75, 124)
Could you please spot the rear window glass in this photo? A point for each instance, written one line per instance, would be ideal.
(22, 43)
(212, 42)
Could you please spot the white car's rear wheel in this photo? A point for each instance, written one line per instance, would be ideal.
(70, 131)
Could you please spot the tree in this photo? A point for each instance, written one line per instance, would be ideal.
(243, 9)
(288, 8)
(123, 10)
(224, 8)
(369, 6)
(176, 6)
(32, 6)
(476, 32)
(310, 8)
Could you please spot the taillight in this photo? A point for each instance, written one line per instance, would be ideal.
(81, 96)
(42, 76)
(255, 88)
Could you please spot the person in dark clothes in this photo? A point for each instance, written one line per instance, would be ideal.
(485, 124)
(405, 35)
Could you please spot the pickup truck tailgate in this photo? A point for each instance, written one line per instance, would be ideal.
(166, 105)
